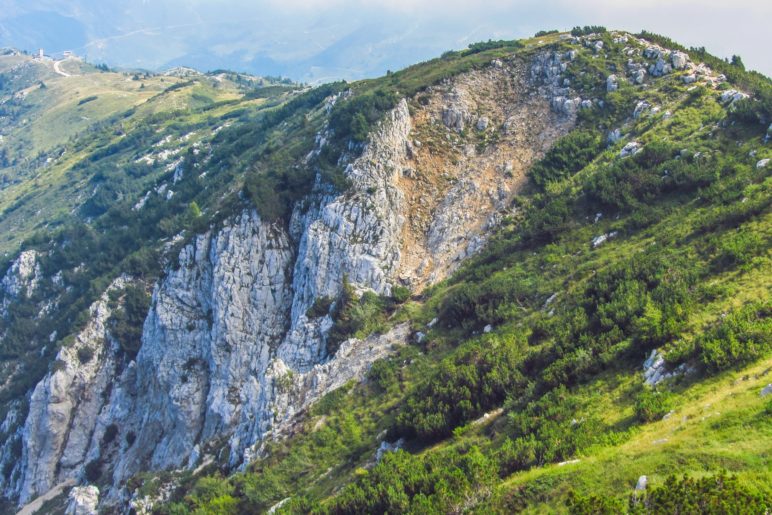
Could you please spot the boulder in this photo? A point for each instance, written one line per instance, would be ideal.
(639, 76)
(388, 447)
(83, 500)
(641, 484)
(660, 68)
(453, 118)
(652, 52)
(762, 163)
(630, 149)
(689, 79)
(640, 108)
(482, 123)
(612, 83)
(614, 136)
(603, 238)
(731, 96)
(767, 390)
(565, 105)
(679, 60)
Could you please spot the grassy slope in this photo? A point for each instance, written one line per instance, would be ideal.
(57, 131)
(719, 421)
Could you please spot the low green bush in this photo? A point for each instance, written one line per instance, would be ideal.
(738, 338)
(652, 404)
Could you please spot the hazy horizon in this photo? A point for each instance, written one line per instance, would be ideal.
(317, 40)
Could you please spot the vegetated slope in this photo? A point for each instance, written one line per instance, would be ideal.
(110, 204)
(49, 123)
(239, 334)
(646, 226)
(616, 326)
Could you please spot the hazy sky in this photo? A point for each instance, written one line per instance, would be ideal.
(325, 39)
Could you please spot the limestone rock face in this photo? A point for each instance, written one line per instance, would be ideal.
(60, 427)
(23, 273)
(205, 345)
(21, 279)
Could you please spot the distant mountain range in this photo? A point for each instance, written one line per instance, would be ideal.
(316, 41)
(164, 34)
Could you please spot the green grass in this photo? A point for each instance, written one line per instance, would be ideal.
(717, 424)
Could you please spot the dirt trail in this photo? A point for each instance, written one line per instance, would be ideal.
(58, 70)
(35, 505)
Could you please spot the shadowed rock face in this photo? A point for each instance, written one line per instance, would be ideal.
(229, 355)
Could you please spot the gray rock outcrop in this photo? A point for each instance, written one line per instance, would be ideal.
(83, 500)
(60, 427)
(630, 149)
(612, 83)
(21, 278)
(679, 60)
(226, 329)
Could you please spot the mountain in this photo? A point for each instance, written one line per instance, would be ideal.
(244, 36)
(317, 42)
(527, 276)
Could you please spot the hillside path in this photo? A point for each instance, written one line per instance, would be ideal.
(35, 505)
(58, 70)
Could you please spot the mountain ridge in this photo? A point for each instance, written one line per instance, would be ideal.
(453, 207)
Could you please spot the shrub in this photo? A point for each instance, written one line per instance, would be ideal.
(481, 46)
(85, 354)
(320, 307)
(356, 317)
(126, 321)
(402, 483)
(718, 494)
(587, 29)
(93, 471)
(87, 100)
(383, 374)
(593, 505)
(355, 117)
(400, 294)
(111, 432)
(463, 388)
(570, 154)
(651, 405)
(546, 430)
(740, 337)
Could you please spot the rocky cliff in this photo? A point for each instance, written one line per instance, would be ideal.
(229, 353)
